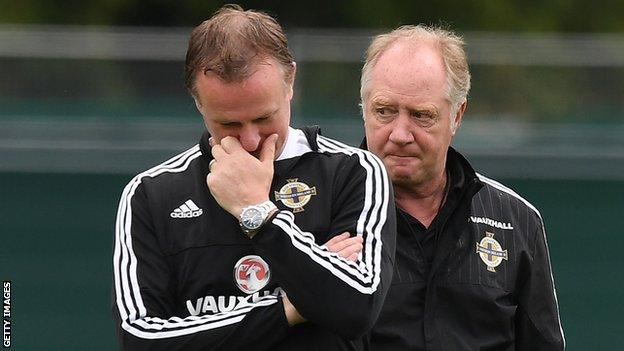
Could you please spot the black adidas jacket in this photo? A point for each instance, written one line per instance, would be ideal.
(185, 276)
(488, 285)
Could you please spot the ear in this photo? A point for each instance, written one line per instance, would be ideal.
(291, 83)
(198, 105)
(292, 80)
(458, 118)
(361, 106)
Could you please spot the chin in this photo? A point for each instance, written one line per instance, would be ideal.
(401, 178)
(404, 177)
(401, 172)
(403, 183)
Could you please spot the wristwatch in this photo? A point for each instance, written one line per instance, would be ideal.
(254, 216)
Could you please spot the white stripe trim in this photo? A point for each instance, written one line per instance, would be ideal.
(191, 324)
(364, 277)
(128, 298)
(129, 284)
(507, 190)
(185, 162)
(373, 257)
(331, 261)
(286, 221)
(500, 186)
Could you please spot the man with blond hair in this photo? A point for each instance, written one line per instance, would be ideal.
(262, 236)
(472, 269)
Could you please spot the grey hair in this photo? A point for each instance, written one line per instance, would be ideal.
(450, 46)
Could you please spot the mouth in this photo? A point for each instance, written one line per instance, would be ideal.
(400, 157)
(400, 160)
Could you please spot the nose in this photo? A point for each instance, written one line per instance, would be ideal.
(401, 133)
(249, 137)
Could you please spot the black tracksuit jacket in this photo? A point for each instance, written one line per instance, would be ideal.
(482, 282)
(185, 276)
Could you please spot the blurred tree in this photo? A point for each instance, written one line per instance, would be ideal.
(499, 15)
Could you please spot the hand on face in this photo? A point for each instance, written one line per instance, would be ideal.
(237, 179)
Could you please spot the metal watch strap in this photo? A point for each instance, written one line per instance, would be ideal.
(265, 208)
(268, 206)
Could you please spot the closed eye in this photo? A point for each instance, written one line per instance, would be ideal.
(262, 119)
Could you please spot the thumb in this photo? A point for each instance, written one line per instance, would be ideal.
(267, 154)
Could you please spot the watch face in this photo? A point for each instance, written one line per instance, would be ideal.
(251, 218)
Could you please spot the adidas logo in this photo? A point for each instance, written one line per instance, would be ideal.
(187, 210)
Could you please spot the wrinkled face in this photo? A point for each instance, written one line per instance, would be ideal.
(407, 115)
(250, 110)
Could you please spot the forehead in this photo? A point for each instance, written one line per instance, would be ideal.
(409, 70)
(257, 92)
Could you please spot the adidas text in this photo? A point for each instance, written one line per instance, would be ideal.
(189, 214)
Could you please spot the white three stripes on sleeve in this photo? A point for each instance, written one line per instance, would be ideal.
(127, 291)
(364, 277)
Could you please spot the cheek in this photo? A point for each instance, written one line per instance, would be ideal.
(279, 124)
(434, 146)
(376, 135)
(212, 128)
(266, 129)
(218, 132)
(431, 138)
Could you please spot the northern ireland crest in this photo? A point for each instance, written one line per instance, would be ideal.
(251, 274)
(491, 252)
(295, 194)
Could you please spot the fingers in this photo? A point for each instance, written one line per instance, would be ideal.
(267, 154)
(342, 241)
(351, 252)
(335, 240)
(353, 257)
(209, 182)
(230, 145)
(218, 153)
(346, 246)
(292, 315)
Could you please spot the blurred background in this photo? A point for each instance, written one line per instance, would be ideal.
(91, 93)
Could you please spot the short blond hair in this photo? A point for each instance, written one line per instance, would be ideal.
(450, 46)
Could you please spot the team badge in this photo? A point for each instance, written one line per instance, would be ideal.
(491, 252)
(251, 274)
(295, 194)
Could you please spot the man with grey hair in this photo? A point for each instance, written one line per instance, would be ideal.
(472, 267)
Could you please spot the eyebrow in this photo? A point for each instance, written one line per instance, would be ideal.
(267, 114)
(381, 101)
(429, 109)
